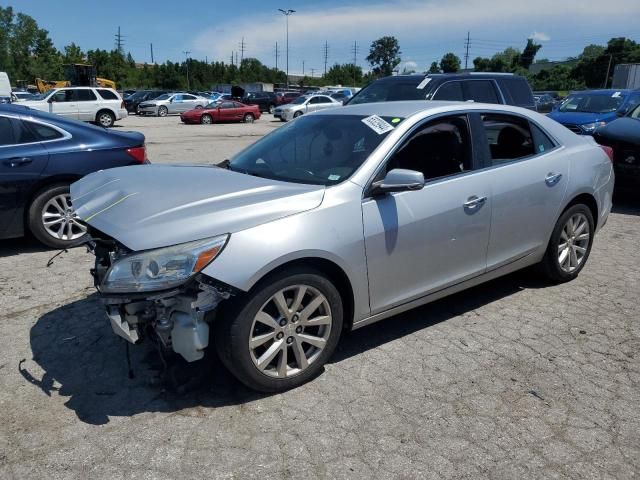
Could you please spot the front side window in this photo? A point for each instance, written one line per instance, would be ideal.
(450, 91)
(63, 96)
(439, 149)
(509, 138)
(322, 150)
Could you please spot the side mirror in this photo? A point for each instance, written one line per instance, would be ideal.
(398, 180)
(171, 100)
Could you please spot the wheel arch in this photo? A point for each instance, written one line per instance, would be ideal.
(331, 270)
(587, 199)
(40, 185)
(106, 109)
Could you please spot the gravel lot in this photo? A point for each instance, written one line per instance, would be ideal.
(512, 379)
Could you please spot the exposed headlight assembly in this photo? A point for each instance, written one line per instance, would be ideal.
(161, 268)
(590, 127)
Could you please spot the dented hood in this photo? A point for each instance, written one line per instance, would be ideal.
(152, 206)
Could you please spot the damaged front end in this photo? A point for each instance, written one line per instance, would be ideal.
(160, 292)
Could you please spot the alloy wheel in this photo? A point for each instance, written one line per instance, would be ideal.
(574, 243)
(59, 219)
(290, 331)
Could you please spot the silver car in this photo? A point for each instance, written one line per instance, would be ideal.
(172, 103)
(335, 221)
(305, 104)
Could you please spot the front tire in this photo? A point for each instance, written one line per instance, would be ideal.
(283, 332)
(272, 109)
(206, 119)
(570, 244)
(163, 111)
(297, 114)
(52, 220)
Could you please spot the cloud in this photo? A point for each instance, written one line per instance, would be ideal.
(428, 24)
(410, 65)
(540, 36)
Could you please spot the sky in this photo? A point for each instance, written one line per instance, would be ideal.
(425, 29)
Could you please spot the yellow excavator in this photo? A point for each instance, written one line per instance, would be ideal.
(76, 75)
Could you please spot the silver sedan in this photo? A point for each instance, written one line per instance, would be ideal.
(335, 221)
(305, 104)
(172, 103)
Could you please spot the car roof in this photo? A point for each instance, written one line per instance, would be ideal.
(609, 91)
(448, 76)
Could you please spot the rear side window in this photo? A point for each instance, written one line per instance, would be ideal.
(482, 91)
(107, 94)
(450, 91)
(43, 133)
(542, 142)
(516, 91)
(23, 133)
(85, 95)
(7, 136)
(509, 138)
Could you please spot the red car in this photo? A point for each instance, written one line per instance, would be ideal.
(225, 111)
(286, 97)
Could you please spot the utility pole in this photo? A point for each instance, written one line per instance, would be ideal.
(119, 42)
(286, 13)
(326, 55)
(606, 78)
(355, 61)
(242, 47)
(466, 46)
(152, 53)
(303, 68)
(237, 64)
(277, 55)
(186, 56)
(231, 57)
(313, 71)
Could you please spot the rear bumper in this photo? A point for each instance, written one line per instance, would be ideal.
(122, 113)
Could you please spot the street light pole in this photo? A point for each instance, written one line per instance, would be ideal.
(286, 13)
(186, 56)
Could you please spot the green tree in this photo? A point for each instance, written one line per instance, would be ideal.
(73, 54)
(450, 63)
(384, 56)
(347, 74)
(434, 68)
(525, 59)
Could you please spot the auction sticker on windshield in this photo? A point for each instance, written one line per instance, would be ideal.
(377, 124)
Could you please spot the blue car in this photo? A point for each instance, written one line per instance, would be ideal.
(583, 112)
(40, 156)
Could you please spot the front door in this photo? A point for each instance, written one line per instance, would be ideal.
(528, 184)
(22, 160)
(419, 242)
(64, 103)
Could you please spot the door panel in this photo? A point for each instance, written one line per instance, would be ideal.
(64, 104)
(423, 241)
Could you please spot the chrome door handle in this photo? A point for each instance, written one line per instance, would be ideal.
(17, 161)
(552, 178)
(474, 202)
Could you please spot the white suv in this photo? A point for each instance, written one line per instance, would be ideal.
(100, 105)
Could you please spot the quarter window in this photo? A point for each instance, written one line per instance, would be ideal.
(542, 142)
(42, 132)
(509, 138)
(439, 149)
(109, 95)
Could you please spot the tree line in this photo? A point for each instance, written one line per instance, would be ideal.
(27, 52)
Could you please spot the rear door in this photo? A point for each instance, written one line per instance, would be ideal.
(64, 103)
(189, 102)
(324, 103)
(528, 182)
(22, 160)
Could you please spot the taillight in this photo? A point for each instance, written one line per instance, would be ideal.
(139, 154)
(122, 105)
(608, 151)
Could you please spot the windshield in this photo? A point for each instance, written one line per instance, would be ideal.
(319, 150)
(389, 90)
(593, 103)
(299, 100)
(165, 96)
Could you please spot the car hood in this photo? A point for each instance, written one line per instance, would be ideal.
(580, 118)
(624, 130)
(154, 206)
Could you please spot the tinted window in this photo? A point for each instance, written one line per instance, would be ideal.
(188, 97)
(509, 138)
(439, 149)
(386, 91)
(63, 96)
(324, 100)
(482, 91)
(23, 133)
(237, 105)
(541, 140)
(85, 95)
(6, 132)
(449, 91)
(227, 105)
(43, 132)
(516, 91)
(314, 100)
(109, 95)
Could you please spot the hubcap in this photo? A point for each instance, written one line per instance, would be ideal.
(290, 331)
(59, 219)
(105, 120)
(574, 242)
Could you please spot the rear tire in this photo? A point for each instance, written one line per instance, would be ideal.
(51, 204)
(105, 118)
(248, 118)
(271, 109)
(292, 364)
(570, 244)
